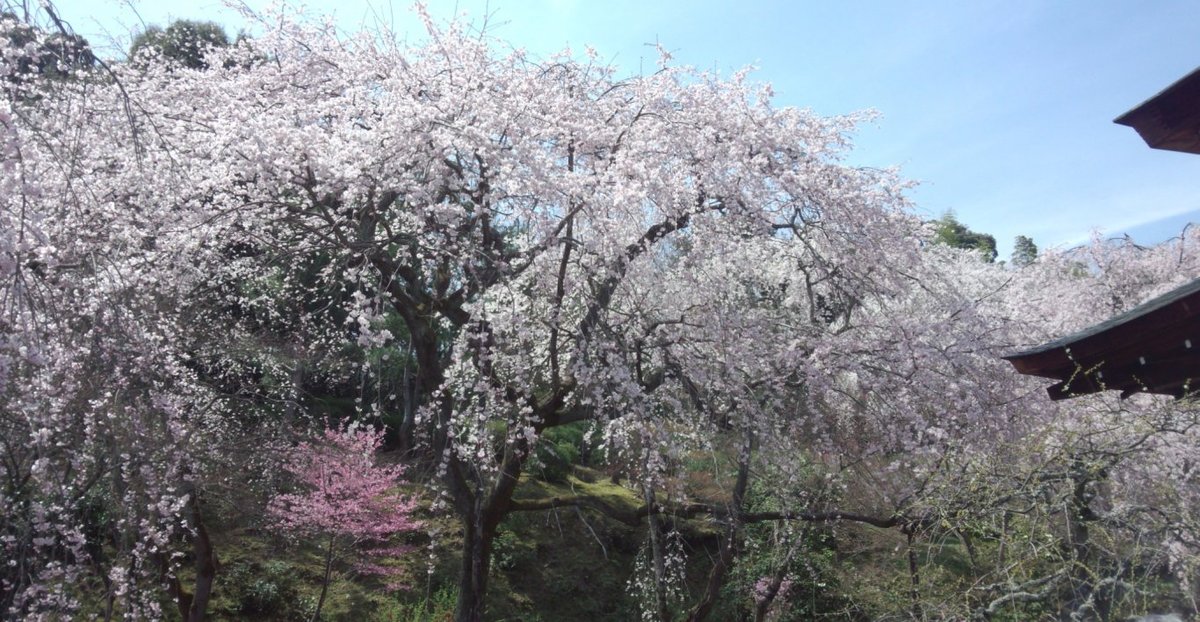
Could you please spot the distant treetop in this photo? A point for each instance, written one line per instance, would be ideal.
(1024, 252)
(950, 232)
(183, 41)
(42, 53)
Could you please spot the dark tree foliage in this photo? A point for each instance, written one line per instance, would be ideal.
(953, 233)
(48, 54)
(183, 42)
(1024, 252)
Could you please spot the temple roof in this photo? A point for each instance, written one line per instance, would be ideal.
(1171, 119)
(1152, 348)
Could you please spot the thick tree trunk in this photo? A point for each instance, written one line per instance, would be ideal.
(410, 391)
(476, 561)
(482, 514)
(1079, 517)
(287, 426)
(763, 607)
(716, 577)
(482, 508)
(183, 600)
(193, 607)
(206, 567)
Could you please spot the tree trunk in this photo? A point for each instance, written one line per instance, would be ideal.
(206, 567)
(1078, 517)
(325, 580)
(409, 392)
(914, 576)
(482, 514)
(733, 536)
(763, 607)
(476, 560)
(657, 556)
(287, 424)
(183, 600)
(193, 607)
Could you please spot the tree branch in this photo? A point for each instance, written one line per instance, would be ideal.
(690, 510)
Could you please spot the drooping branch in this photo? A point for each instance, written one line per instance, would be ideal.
(731, 544)
(634, 516)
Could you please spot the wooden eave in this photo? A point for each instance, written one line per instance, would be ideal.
(1171, 119)
(1152, 348)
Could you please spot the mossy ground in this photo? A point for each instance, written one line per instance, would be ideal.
(565, 564)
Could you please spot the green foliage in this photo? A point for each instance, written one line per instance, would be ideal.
(439, 607)
(554, 461)
(804, 557)
(1024, 252)
(559, 450)
(510, 551)
(263, 589)
(565, 564)
(54, 55)
(184, 42)
(952, 233)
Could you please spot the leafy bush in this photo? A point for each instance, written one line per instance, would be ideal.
(509, 551)
(558, 450)
(263, 589)
(553, 461)
(439, 607)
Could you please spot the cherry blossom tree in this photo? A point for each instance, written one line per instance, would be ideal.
(521, 217)
(345, 494)
(113, 439)
(1043, 500)
(668, 257)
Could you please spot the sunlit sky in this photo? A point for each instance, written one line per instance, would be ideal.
(1001, 110)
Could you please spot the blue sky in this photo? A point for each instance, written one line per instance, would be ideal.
(1001, 110)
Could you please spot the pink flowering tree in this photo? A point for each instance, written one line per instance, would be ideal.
(346, 496)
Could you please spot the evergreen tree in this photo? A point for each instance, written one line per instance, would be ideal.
(953, 233)
(1024, 252)
(41, 53)
(184, 42)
